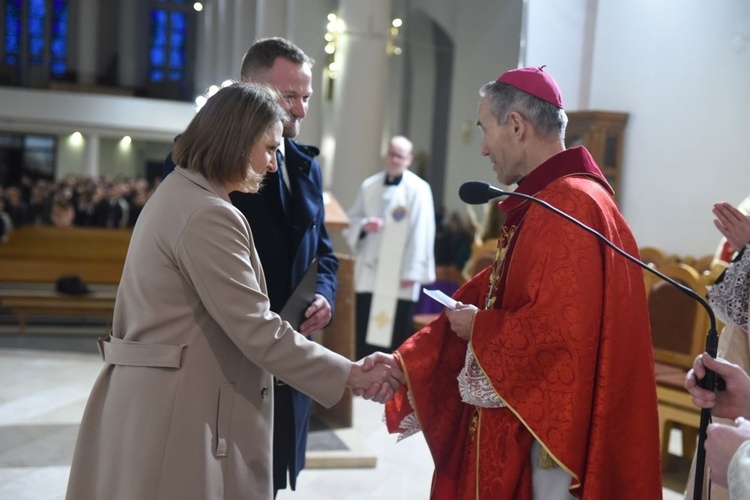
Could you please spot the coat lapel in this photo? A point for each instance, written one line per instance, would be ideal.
(305, 197)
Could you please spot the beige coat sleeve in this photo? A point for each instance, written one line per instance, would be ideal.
(216, 254)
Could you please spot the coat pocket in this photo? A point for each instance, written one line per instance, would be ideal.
(223, 418)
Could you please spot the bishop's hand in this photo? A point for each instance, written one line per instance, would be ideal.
(376, 377)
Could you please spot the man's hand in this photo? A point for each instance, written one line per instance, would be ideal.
(318, 315)
(730, 403)
(733, 224)
(377, 377)
(461, 319)
(373, 225)
(722, 442)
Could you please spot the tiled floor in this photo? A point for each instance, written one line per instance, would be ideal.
(42, 395)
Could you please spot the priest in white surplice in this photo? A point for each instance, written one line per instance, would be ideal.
(392, 235)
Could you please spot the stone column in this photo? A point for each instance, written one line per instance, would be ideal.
(270, 18)
(224, 24)
(359, 96)
(128, 62)
(91, 155)
(88, 21)
(243, 33)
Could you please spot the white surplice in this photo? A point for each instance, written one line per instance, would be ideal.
(403, 250)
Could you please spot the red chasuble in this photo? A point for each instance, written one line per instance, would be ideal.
(564, 340)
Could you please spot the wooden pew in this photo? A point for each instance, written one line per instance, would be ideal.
(35, 257)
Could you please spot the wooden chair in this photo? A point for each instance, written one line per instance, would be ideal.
(655, 257)
(679, 325)
(703, 264)
(482, 255)
(447, 280)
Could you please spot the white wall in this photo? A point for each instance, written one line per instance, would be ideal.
(114, 159)
(55, 112)
(557, 34)
(487, 37)
(681, 71)
(129, 161)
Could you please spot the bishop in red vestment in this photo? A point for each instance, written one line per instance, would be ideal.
(552, 348)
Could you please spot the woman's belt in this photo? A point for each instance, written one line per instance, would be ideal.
(116, 351)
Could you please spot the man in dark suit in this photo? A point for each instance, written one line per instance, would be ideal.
(287, 220)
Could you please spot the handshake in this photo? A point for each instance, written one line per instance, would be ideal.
(377, 377)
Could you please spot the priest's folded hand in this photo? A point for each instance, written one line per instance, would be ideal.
(733, 224)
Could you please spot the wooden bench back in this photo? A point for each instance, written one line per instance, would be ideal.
(43, 254)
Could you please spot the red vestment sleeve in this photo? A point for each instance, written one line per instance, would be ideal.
(432, 359)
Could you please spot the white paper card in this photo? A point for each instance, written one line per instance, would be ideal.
(440, 297)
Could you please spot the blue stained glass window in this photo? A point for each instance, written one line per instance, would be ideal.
(12, 31)
(176, 58)
(160, 37)
(36, 25)
(12, 45)
(37, 7)
(58, 68)
(179, 23)
(59, 38)
(157, 54)
(36, 46)
(35, 31)
(59, 19)
(58, 49)
(158, 58)
(168, 43)
(159, 17)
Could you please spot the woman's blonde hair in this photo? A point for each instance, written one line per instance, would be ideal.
(218, 140)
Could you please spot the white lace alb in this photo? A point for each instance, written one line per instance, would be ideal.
(730, 296)
(474, 387)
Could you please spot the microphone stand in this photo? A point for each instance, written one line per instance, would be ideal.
(712, 338)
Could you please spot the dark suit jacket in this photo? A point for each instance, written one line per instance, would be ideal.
(286, 244)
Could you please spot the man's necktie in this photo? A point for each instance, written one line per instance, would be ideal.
(283, 190)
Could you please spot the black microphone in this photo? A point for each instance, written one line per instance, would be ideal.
(478, 192)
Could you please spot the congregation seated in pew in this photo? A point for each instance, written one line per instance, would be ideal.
(74, 201)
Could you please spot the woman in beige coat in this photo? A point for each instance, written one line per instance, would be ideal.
(183, 406)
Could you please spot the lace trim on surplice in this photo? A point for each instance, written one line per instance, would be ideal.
(410, 424)
(474, 387)
(730, 296)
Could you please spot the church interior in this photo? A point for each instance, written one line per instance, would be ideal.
(93, 94)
